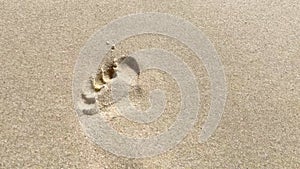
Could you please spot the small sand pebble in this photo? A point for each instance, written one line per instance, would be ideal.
(113, 47)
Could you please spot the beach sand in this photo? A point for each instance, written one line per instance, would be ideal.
(258, 44)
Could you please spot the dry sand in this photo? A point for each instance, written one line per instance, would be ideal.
(258, 43)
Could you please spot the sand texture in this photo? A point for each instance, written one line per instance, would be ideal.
(258, 43)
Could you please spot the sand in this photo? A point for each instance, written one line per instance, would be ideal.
(257, 42)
